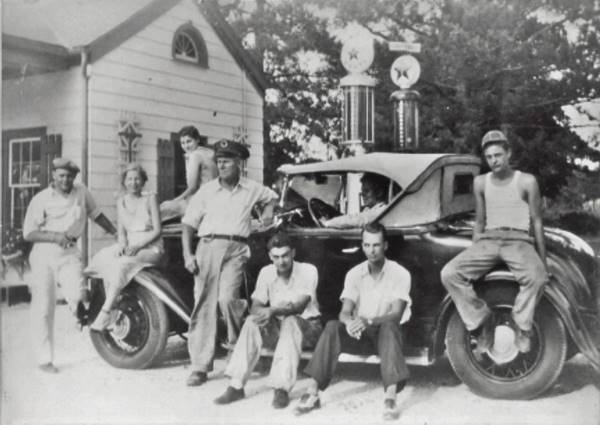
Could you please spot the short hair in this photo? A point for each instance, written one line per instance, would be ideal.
(190, 131)
(374, 228)
(502, 143)
(378, 182)
(133, 166)
(279, 240)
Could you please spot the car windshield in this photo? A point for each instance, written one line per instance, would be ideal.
(337, 190)
(326, 187)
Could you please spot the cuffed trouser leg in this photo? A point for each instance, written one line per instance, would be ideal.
(230, 281)
(321, 366)
(52, 265)
(220, 264)
(284, 369)
(246, 352)
(43, 302)
(524, 262)
(389, 347)
(458, 275)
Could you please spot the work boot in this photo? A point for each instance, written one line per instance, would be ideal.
(523, 339)
(485, 337)
(390, 410)
(48, 368)
(196, 379)
(230, 395)
(281, 399)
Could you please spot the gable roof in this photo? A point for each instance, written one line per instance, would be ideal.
(54, 32)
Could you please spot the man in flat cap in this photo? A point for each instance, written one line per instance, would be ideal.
(508, 229)
(219, 212)
(55, 219)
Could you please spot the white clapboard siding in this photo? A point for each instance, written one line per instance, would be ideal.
(139, 78)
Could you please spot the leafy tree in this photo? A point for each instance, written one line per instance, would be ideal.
(509, 64)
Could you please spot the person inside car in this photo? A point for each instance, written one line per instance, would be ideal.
(507, 209)
(284, 316)
(375, 301)
(374, 197)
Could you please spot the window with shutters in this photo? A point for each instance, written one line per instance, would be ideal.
(24, 181)
(189, 46)
(27, 156)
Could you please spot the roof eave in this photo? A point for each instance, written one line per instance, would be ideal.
(128, 28)
(226, 33)
(37, 56)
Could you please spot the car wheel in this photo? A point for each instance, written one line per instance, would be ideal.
(139, 331)
(502, 371)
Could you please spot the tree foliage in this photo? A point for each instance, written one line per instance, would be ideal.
(509, 64)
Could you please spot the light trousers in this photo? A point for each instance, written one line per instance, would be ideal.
(221, 266)
(523, 261)
(52, 266)
(287, 336)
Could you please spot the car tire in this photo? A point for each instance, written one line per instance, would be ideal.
(139, 334)
(525, 377)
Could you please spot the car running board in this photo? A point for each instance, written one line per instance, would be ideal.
(422, 359)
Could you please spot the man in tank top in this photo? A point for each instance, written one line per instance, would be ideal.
(508, 229)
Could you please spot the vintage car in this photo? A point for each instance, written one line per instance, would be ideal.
(429, 216)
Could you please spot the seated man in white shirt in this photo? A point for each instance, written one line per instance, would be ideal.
(284, 315)
(374, 198)
(375, 301)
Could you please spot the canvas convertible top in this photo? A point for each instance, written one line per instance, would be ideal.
(403, 168)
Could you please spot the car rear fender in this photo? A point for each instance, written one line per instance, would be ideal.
(580, 324)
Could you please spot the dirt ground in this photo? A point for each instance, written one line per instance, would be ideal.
(89, 391)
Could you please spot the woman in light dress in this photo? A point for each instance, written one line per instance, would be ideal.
(139, 242)
(200, 167)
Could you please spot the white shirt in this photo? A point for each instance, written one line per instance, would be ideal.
(360, 219)
(52, 211)
(214, 209)
(373, 297)
(274, 291)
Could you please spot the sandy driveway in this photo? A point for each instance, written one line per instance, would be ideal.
(87, 390)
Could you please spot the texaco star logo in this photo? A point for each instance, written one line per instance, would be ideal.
(405, 71)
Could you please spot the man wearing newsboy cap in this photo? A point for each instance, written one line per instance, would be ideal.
(55, 219)
(508, 229)
(219, 212)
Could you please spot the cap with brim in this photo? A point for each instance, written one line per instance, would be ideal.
(65, 163)
(493, 136)
(229, 148)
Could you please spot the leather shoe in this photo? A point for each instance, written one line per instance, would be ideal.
(230, 395)
(485, 337)
(48, 368)
(281, 399)
(523, 340)
(308, 402)
(196, 379)
(390, 410)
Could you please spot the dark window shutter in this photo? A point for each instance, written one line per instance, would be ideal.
(166, 170)
(51, 148)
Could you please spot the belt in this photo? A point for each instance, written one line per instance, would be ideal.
(510, 229)
(235, 238)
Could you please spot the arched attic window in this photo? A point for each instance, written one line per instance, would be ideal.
(189, 46)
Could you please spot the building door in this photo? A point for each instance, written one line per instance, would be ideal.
(26, 169)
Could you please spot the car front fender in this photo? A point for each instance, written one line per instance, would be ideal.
(153, 280)
(583, 324)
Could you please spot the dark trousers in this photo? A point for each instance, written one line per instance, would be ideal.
(386, 339)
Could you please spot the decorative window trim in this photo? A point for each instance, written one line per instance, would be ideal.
(189, 38)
